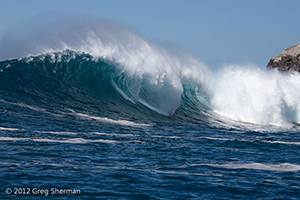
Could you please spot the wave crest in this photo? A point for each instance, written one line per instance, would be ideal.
(103, 65)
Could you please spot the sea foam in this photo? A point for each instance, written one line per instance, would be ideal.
(257, 96)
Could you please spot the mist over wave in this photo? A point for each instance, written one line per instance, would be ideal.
(257, 96)
(100, 60)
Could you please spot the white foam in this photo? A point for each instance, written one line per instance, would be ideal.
(24, 106)
(95, 133)
(162, 136)
(113, 134)
(29, 106)
(72, 141)
(58, 132)
(281, 142)
(252, 95)
(243, 140)
(12, 139)
(110, 121)
(9, 129)
(284, 167)
(75, 141)
(211, 138)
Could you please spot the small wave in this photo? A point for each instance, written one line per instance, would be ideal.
(58, 132)
(113, 134)
(251, 141)
(280, 142)
(9, 129)
(111, 121)
(284, 167)
(211, 138)
(90, 133)
(72, 141)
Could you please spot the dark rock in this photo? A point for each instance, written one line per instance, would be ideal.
(288, 60)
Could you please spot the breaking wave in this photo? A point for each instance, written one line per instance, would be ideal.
(101, 67)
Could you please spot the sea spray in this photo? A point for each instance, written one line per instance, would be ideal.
(254, 95)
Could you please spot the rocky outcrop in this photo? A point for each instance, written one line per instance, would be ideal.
(288, 60)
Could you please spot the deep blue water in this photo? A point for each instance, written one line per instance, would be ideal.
(64, 124)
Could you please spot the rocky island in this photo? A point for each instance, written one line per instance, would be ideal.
(288, 60)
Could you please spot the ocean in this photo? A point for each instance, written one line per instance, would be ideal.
(93, 110)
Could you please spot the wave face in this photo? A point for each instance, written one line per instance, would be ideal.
(107, 69)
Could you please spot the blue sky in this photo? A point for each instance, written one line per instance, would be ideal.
(217, 31)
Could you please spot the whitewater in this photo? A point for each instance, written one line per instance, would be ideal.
(95, 106)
